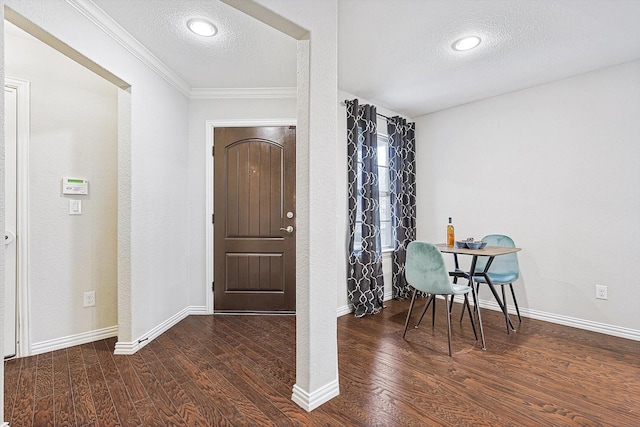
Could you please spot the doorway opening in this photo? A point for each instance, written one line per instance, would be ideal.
(67, 156)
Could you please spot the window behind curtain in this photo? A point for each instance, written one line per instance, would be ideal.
(386, 233)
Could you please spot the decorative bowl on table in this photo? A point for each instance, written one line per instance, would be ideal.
(461, 244)
(476, 244)
(482, 244)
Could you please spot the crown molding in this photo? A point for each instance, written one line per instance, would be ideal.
(243, 93)
(110, 27)
(103, 21)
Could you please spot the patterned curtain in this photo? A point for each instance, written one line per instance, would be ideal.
(364, 276)
(402, 168)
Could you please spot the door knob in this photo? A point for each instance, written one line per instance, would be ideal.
(288, 229)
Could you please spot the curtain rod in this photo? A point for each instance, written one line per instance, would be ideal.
(344, 104)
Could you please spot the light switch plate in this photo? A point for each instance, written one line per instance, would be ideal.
(75, 207)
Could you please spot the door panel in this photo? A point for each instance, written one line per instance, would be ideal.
(254, 259)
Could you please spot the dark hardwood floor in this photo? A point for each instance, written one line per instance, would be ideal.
(240, 370)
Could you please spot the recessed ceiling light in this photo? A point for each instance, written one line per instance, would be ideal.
(466, 43)
(202, 27)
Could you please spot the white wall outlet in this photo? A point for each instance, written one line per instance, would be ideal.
(89, 299)
(601, 292)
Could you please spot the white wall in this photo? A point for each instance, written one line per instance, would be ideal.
(556, 167)
(156, 159)
(200, 111)
(73, 133)
(316, 147)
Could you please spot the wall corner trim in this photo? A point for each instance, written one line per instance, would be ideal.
(310, 401)
(129, 348)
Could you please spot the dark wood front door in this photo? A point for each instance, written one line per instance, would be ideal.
(254, 219)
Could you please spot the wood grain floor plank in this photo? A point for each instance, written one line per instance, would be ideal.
(82, 398)
(11, 375)
(282, 369)
(256, 395)
(24, 402)
(162, 402)
(166, 350)
(205, 405)
(44, 375)
(149, 417)
(105, 409)
(240, 370)
(179, 397)
(244, 411)
(42, 412)
(122, 401)
(258, 370)
(233, 405)
(63, 412)
(134, 386)
(88, 354)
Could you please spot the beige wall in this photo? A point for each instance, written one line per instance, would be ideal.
(153, 250)
(73, 134)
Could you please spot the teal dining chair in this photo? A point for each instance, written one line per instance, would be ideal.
(425, 271)
(503, 271)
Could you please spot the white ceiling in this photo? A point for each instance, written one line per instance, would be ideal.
(396, 53)
(244, 54)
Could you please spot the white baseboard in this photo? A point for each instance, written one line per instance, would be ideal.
(346, 309)
(71, 340)
(100, 334)
(310, 401)
(603, 328)
(129, 348)
(199, 310)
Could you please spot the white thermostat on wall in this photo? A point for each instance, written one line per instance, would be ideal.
(75, 186)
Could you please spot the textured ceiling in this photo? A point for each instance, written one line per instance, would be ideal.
(396, 53)
(244, 54)
(412, 69)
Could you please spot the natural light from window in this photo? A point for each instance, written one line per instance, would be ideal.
(386, 233)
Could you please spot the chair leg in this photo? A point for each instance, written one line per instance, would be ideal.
(473, 325)
(467, 306)
(476, 302)
(406, 323)
(466, 302)
(506, 314)
(446, 298)
(433, 314)
(468, 309)
(474, 294)
(424, 310)
(515, 302)
(455, 280)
